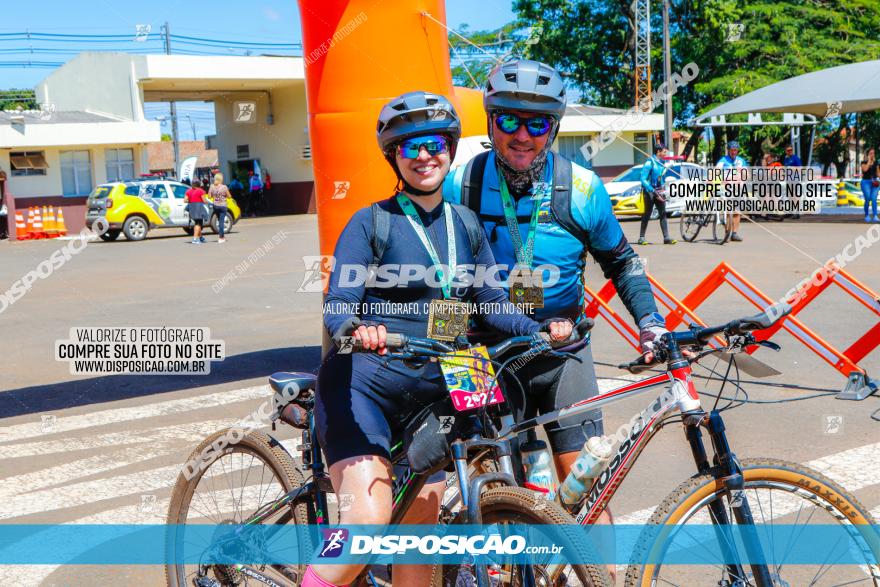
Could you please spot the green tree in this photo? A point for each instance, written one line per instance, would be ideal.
(473, 58)
(739, 46)
(16, 99)
(166, 137)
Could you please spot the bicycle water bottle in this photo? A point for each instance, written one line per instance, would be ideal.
(536, 460)
(588, 464)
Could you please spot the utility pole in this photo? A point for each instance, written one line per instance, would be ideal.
(667, 77)
(174, 138)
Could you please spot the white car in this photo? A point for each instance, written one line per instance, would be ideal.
(625, 189)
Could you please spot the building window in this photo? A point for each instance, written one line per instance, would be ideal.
(570, 148)
(641, 148)
(120, 164)
(76, 173)
(28, 163)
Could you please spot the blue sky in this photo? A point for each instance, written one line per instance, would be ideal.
(264, 20)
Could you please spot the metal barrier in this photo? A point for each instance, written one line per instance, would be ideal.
(859, 385)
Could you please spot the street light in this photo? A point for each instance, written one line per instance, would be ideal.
(192, 125)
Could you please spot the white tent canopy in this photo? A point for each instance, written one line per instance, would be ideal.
(846, 88)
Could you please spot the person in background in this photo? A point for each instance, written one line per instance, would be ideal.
(791, 160)
(198, 212)
(654, 194)
(235, 187)
(870, 185)
(219, 193)
(255, 186)
(732, 159)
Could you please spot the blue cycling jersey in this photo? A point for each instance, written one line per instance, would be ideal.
(652, 174)
(556, 247)
(727, 161)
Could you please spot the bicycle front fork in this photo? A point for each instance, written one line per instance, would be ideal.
(730, 475)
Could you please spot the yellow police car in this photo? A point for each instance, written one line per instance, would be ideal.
(134, 208)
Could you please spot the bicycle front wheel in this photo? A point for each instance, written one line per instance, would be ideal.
(778, 493)
(514, 505)
(227, 482)
(690, 225)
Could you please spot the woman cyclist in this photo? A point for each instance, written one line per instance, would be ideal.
(362, 400)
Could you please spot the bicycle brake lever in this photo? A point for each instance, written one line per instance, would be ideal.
(770, 345)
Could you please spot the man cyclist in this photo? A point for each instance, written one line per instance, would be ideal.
(733, 160)
(513, 186)
(652, 180)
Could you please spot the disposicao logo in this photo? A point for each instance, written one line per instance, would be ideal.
(334, 541)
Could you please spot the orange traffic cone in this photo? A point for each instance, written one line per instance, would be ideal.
(20, 227)
(38, 224)
(50, 227)
(30, 223)
(59, 224)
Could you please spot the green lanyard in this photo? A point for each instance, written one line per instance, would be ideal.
(416, 221)
(524, 254)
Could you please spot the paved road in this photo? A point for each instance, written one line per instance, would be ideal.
(107, 449)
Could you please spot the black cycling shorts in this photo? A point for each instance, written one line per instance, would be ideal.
(362, 403)
(551, 384)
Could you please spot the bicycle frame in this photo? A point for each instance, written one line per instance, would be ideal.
(680, 396)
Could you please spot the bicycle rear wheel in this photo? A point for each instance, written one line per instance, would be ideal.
(690, 225)
(722, 227)
(515, 505)
(780, 493)
(227, 485)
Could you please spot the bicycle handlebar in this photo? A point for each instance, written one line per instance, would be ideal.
(431, 347)
(700, 336)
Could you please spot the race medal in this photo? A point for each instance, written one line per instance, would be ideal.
(447, 319)
(525, 289)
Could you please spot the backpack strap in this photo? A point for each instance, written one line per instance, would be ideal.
(381, 231)
(472, 182)
(473, 226)
(560, 201)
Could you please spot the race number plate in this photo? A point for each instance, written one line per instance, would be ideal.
(447, 319)
(470, 379)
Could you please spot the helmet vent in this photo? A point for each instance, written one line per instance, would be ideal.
(543, 80)
(511, 77)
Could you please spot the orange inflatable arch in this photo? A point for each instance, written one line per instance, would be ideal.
(358, 55)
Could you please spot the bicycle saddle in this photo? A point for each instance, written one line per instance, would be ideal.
(303, 381)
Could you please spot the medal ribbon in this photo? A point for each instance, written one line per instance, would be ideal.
(416, 222)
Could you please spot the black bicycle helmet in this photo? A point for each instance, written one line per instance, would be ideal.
(415, 114)
(525, 85)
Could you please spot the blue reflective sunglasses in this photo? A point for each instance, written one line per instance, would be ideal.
(536, 126)
(433, 144)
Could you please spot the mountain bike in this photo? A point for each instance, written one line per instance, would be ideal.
(721, 222)
(253, 480)
(726, 491)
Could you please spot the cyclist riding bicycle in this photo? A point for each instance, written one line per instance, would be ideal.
(362, 400)
(733, 160)
(539, 209)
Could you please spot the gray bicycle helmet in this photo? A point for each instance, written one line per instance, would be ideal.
(415, 114)
(526, 85)
(732, 145)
